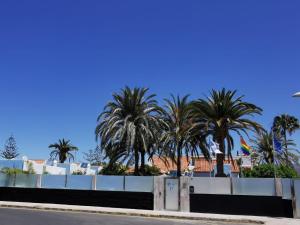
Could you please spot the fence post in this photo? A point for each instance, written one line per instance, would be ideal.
(293, 193)
(124, 183)
(184, 194)
(39, 181)
(94, 183)
(231, 186)
(278, 187)
(159, 193)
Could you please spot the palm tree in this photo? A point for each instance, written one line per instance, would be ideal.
(285, 124)
(128, 124)
(62, 149)
(263, 147)
(264, 150)
(222, 113)
(179, 136)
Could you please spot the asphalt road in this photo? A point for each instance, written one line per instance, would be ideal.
(10, 216)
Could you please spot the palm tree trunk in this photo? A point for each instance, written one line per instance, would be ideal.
(220, 158)
(178, 161)
(136, 162)
(286, 148)
(142, 162)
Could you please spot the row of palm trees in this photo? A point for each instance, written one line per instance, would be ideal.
(133, 126)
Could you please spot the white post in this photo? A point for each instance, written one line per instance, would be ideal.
(159, 193)
(184, 194)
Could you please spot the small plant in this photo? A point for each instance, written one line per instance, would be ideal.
(78, 172)
(30, 169)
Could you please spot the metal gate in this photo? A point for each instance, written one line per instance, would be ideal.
(172, 194)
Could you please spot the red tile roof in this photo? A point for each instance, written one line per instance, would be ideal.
(38, 161)
(201, 164)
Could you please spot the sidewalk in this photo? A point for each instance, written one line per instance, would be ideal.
(148, 213)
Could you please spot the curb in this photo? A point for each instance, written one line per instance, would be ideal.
(131, 212)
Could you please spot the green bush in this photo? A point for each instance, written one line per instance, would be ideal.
(114, 169)
(267, 171)
(78, 172)
(13, 171)
(151, 171)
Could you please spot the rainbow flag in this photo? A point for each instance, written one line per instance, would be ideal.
(244, 147)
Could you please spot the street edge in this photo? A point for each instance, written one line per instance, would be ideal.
(150, 214)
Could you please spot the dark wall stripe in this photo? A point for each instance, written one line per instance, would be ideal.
(114, 199)
(241, 205)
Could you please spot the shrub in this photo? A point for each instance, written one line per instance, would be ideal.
(114, 169)
(78, 172)
(13, 171)
(151, 171)
(267, 171)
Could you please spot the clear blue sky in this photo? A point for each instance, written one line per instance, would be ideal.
(60, 60)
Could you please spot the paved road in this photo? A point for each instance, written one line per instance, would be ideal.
(10, 216)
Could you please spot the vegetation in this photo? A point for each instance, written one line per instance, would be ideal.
(179, 135)
(222, 113)
(78, 172)
(128, 126)
(269, 171)
(283, 125)
(10, 150)
(114, 169)
(94, 156)
(152, 171)
(264, 150)
(14, 171)
(62, 150)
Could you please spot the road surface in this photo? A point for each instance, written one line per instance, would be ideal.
(11, 216)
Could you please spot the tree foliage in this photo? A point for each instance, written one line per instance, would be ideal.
(282, 125)
(128, 126)
(264, 150)
(181, 137)
(62, 150)
(10, 150)
(222, 113)
(94, 156)
(269, 170)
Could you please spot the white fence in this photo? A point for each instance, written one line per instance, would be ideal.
(81, 182)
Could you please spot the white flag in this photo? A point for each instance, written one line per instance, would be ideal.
(214, 147)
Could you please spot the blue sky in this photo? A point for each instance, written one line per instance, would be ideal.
(60, 60)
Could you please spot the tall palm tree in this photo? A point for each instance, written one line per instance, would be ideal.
(285, 124)
(179, 136)
(263, 147)
(129, 123)
(62, 149)
(223, 113)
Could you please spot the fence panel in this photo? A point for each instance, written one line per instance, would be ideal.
(207, 185)
(82, 182)
(254, 186)
(286, 188)
(26, 180)
(139, 184)
(110, 183)
(54, 181)
(6, 180)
